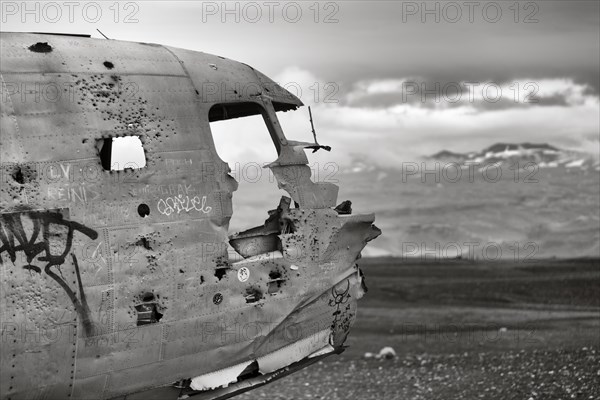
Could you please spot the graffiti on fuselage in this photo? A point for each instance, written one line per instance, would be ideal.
(177, 204)
(340, 326)
(45, 237)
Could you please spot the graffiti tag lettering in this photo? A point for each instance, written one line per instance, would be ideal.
(177, 204)
(39, 237)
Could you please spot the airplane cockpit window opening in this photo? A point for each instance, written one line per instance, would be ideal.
(239, 132)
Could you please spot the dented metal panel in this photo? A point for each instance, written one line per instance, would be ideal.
(118, 282)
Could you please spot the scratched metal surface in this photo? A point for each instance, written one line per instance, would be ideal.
(78, 259)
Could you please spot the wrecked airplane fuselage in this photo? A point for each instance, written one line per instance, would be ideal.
(116, 280)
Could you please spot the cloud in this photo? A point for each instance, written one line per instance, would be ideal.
(566, 115)
(490, 95)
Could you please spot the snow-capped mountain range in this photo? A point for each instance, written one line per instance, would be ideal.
(506, 154)
(544, 155)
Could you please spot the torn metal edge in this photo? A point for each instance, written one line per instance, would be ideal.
(253, 383)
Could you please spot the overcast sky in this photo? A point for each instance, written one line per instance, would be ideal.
(493, 71)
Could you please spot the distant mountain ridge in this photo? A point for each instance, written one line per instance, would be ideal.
(543, 154)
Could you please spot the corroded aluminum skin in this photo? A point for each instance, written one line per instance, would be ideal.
(77, 258)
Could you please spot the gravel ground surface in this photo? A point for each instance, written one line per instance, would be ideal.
(465, 331)
(535, 374)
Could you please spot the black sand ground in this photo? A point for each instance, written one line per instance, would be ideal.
(465, 331)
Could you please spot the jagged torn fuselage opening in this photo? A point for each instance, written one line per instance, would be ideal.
(240, 132)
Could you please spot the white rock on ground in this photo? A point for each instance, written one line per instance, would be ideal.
(386, 353)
